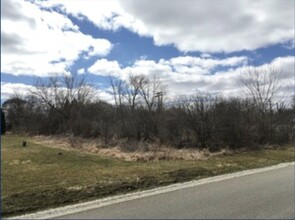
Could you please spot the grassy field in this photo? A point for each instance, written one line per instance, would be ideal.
(37, 177)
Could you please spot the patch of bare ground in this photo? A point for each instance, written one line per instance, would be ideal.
(128, 151)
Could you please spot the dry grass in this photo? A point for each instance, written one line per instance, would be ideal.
(144, 152)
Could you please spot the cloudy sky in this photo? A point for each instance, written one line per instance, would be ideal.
(190, 45)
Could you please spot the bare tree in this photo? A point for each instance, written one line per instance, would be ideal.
(263, 85)
(138, 90)
(63, 96)
(60, 91)
(198, 115)
(118, 87)
(131, 91)
(152, 92)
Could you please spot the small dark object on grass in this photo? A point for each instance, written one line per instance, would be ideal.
(24, 143)
(59, 153)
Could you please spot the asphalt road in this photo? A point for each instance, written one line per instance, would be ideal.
(269, 194)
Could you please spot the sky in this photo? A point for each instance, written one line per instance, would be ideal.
(189, 45)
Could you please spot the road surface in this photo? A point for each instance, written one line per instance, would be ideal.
(268, 194)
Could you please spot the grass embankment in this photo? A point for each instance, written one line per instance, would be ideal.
(38, 177)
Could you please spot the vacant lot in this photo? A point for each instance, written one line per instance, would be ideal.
(38, 177)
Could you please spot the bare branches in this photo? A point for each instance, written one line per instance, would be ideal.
(152, 92)
(263, 85)
(138, 91)
(60, 91)
(132, 95)
(118, 89)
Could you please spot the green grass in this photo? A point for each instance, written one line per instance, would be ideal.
(37, 177)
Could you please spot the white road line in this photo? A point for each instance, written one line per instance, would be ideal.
(71, 209)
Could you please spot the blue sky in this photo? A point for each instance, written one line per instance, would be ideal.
(189, 45)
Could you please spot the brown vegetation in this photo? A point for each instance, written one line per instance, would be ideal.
(143, 151)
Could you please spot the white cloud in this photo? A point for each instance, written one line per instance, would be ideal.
(206, 55)
(42, 42)
(81, 71)
(286, 64)
(104, 67)
(39, 42)
(208, 63)
(207, 26)
(229, 82)
(105, 95)
(186, 75)
(105, 14)
(213, 26)
(177, 83)
(10, 89)
(180, 69)
(147, 67)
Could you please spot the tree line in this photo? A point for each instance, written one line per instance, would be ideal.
(64, 105)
